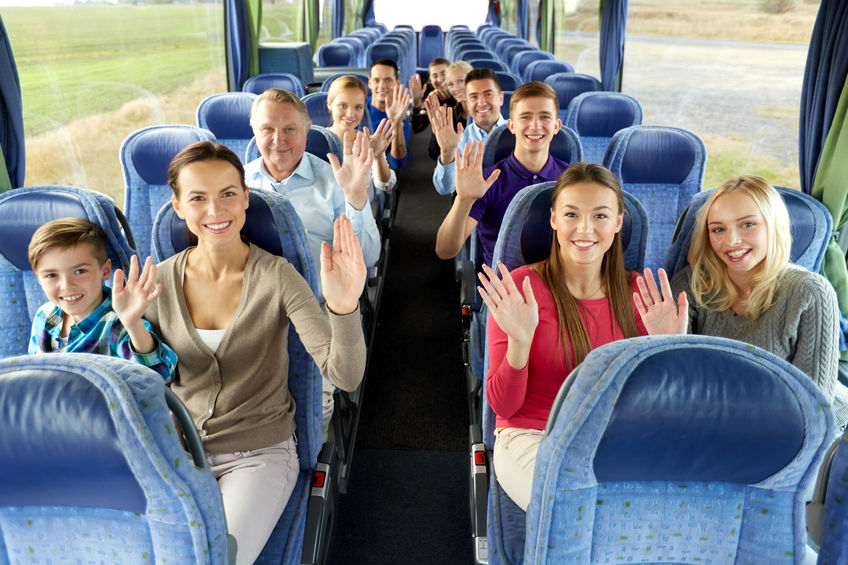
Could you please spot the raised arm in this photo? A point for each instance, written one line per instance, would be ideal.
(352, 174)
(516, 316)
(470, 187)
(441, 122)
(396, 110)
(379, 142)
(657, 307)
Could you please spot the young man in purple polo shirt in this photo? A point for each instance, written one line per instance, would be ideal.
(482, 196)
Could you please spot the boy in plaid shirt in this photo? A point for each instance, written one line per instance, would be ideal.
(69, 259)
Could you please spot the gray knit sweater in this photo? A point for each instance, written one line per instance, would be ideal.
(238, 395)
(802, 326)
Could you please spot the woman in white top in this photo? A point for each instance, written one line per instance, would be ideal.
(346, 100)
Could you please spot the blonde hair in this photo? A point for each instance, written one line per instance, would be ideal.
(710, 283)
(615, 277)
(280, 96)
(461, 66)
(533, 89)
(65, 233)
(343, 83)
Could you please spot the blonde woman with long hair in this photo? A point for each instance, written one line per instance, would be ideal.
(546, 317)
(740, 284)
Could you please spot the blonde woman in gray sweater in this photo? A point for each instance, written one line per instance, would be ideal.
(740, 284)
(225, 310)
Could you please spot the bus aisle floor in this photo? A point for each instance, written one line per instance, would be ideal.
(407, 496)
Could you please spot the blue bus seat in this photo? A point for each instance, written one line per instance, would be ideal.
(431, 44)
(319, 113)
(543, 68)
(567, 85)
(337, 54)
(525, 237)
(697, 449)
(597, 116)
(827, 518)
(487, 63)
(664, 168)
(358, 44)
(325, 86)
(508, 81)
(227, 116)
(273, 225)
(24, 210)
(96, 467)
(145, 156)
(262, 82)
(505, 106)
(519, 62)
(508, 53)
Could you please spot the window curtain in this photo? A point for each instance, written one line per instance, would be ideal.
(307, 20)
(546, 25)
(823, 136)
(12, 154)
(368, 13)
(613, 15)
(521, 19)
(338, 18)
(241, 22)
(493, 17)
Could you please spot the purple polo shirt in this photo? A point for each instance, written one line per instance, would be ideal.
(489, 210)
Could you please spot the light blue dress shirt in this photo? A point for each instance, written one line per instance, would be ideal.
(444, 177)
(318, 200)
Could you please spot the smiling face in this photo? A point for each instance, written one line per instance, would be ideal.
(455, 84)
(534, 123)
(381, 81)
(72, 279)
(585, 217)
(738, 234)
(212, 201)
(280, 132)
(438, 73)
(484, 100)
(347, 108)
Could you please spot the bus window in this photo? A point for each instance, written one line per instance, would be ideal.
(92, 74)
(279, 22)
(577, 35)
(444, 13)
(729, 71)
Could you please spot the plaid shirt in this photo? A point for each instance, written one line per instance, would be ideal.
(100, 332)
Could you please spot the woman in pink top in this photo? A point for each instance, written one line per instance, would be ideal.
(577, 299)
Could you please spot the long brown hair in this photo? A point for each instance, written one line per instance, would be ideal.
(615, 277)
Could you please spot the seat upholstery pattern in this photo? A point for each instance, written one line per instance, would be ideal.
(647, 458)
(568, 85)
(145, 156)
(834, 542)
(179, 517)
(22, 211)
(810, 224)
(227, 116)
(597, 116)
(664, 168)
(287, 81)
(273, 225)
(525, 237)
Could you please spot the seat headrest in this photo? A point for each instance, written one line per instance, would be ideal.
(228, 117)
(602, 116)
(657, 157)
(152, 151)
(725, 418)
(57, 430)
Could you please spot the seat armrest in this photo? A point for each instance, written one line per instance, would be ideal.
(479, 493)
(321, 508)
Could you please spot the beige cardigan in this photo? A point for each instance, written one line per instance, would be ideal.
(238, 396)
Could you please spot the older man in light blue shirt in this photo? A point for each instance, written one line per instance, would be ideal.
(318, 193)
(483, 98)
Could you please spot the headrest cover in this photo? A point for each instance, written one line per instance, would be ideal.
(602, 117)
(228, 117)
(60, 446)
(153, 150)
(657, 157)
(698, 414)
